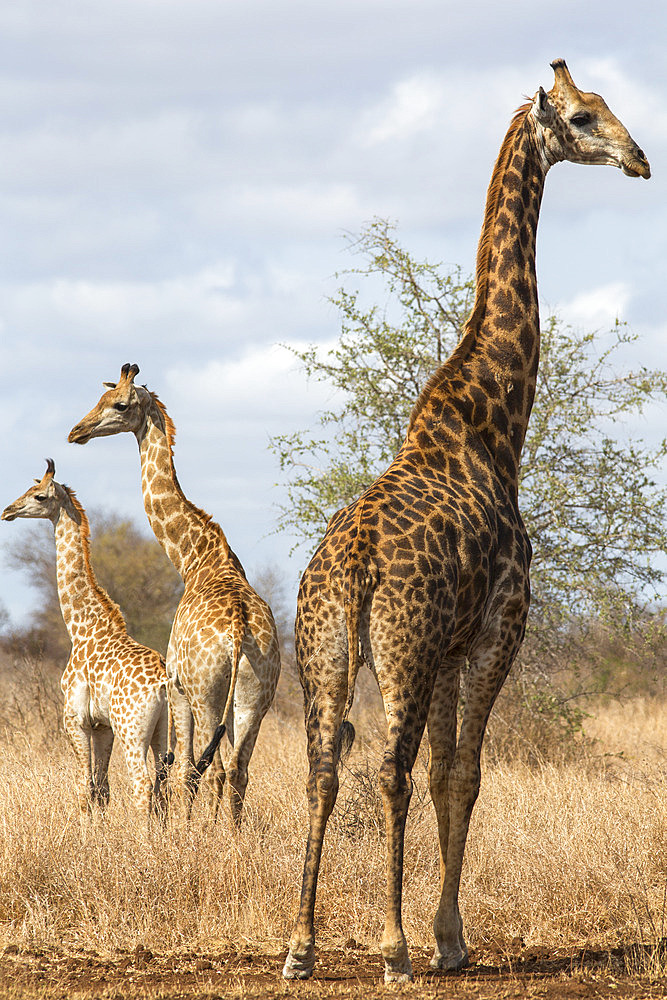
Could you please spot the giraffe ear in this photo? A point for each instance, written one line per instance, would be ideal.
(542, 108)
(109, 385)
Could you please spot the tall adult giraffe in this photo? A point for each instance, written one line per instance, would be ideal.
(429, 567)
(223, 658)
(113, 685)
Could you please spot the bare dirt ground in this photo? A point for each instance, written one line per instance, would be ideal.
(347, 972)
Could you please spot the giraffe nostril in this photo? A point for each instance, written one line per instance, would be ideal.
(641, 154)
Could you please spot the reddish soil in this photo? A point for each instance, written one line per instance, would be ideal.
(347, 972)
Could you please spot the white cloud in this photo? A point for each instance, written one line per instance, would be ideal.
(413, 107)
(597, 307)
(265, 389)
(300, 208)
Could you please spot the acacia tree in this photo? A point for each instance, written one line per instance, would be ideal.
(588, 490)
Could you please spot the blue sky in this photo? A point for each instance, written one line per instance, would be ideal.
(176, 178)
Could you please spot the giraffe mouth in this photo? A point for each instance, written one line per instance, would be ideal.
(7, 515)
(636, 168)
(77, 436)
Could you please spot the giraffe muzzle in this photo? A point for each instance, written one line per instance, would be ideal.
(78, 436)
(638, 166)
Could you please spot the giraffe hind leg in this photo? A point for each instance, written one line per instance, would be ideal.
(184, 728)
(253, 695)
(442, 722)
(324, 715)
(405, 726)
(102, 745)
(489, 666)
(210, 781)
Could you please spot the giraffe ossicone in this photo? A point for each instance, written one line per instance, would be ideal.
(428, 569)
(223, 660)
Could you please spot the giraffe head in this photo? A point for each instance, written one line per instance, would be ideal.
(121, 408)
(46, 499)
(576, 126)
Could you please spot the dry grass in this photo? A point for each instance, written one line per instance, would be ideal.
(565, 856)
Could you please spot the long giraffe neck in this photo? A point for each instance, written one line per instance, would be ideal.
(490, 377)
(84, 604)
(187, 534)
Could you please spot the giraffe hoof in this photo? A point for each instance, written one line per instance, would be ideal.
(395, 973)
(452, 961)
(299, 967)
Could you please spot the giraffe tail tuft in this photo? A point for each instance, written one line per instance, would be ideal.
(204, 761)
(207, 755)
(164, 763)
(344, 741)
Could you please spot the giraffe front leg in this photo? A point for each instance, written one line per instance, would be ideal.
(450, 951)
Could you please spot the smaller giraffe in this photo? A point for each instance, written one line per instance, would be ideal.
(113, 686)
(223, 660)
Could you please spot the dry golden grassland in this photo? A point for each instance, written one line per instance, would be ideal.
(560, 857)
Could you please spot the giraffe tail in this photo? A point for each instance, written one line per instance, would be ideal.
(352, 608)
(194, 777)
(346, 734)
(238, 632)
(355, 589)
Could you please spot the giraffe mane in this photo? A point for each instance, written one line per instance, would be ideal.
(115, 614)
(170, 433)
(490, 212)
(484, 247)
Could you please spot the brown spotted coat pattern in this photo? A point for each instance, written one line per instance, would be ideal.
(428, 569)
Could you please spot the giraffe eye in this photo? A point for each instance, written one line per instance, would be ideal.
(581, 118)
(40, 497)
(120, 407)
